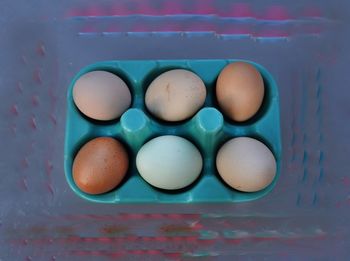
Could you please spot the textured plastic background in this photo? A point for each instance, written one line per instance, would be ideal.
(303, 44)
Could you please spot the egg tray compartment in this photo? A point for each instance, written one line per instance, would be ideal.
(208, 130)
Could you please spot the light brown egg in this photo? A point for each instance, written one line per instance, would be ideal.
(100, 165)
(246, 164)
(240, 91)
(101, 95)
(175, 95)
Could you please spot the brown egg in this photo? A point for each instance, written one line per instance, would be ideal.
(100, 165)
(240, 91)
(101, 95)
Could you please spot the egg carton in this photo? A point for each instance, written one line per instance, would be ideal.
(208, 129)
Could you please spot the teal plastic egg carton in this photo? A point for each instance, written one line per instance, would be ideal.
(209, 129)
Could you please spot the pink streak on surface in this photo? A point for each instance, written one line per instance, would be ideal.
(277, 13)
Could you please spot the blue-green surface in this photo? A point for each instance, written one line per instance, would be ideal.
(208, 130)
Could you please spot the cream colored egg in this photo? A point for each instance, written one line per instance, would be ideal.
(101, 95)
(169, 162)
(246, 164)
(175, 95)
(240, 91)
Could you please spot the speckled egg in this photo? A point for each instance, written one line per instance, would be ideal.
(100, 165)
(175, 95)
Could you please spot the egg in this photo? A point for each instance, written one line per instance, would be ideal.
(246, 164)
(240, 91)
(100, 165)
(175, 95)
(101, 95)
(169, 162)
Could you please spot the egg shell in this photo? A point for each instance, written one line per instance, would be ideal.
(101, 95)
(175, 95)
(246, 164)
(100, 165)
(240, 91)
(169, 162)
